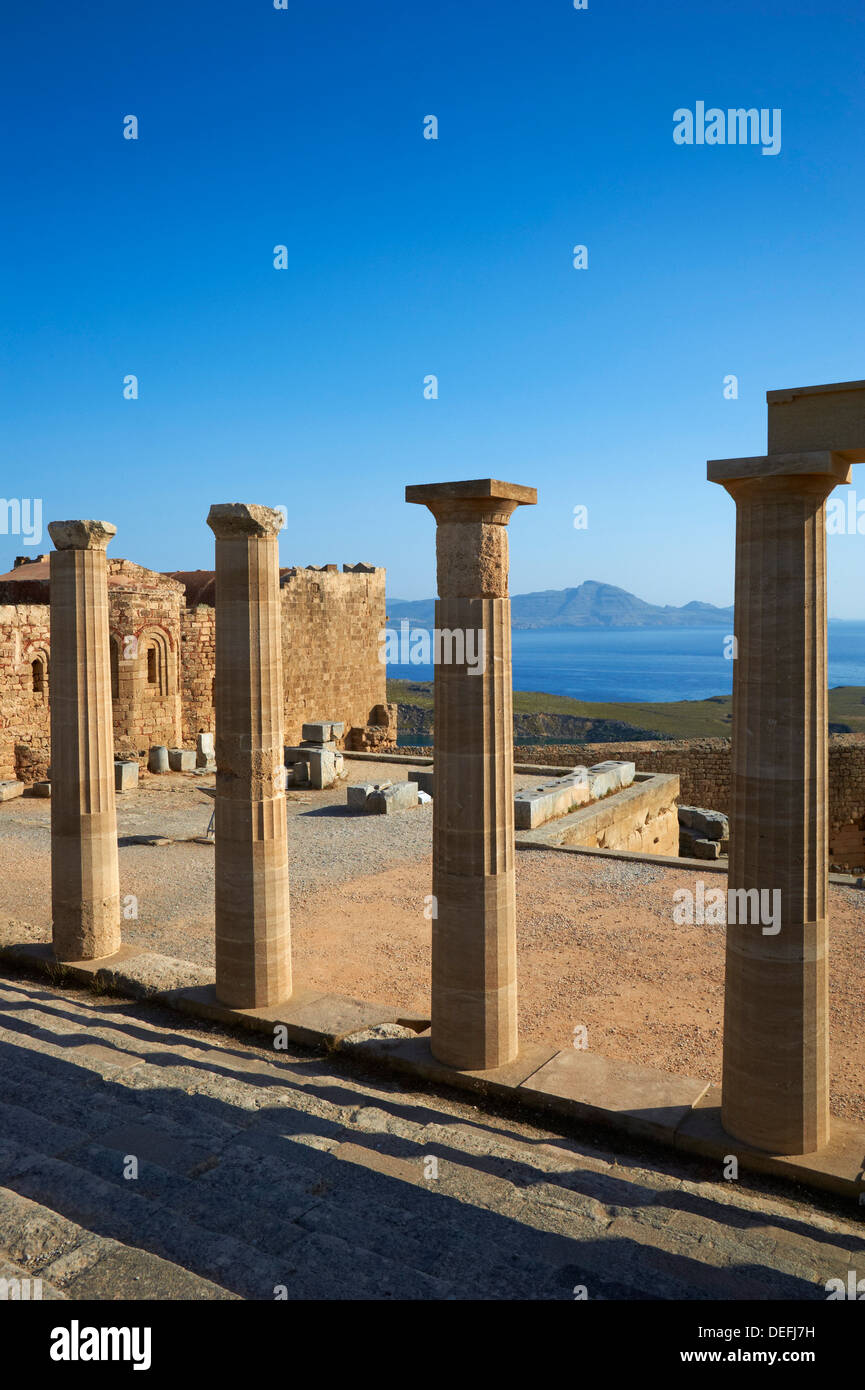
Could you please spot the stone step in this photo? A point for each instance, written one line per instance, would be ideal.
(293, 1191)
(320, 1193)
(73, 1262)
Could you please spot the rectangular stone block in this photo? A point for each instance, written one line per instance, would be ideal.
(423, 777)
(9, 790)
(831, 417)
(592, 1088)
(402, 796)
(41, 788)
(317, 732)
(125, 776)
(609, 777)
(693, 845)
(322, 767)
(711, 825)
(356, 796)
(181, 759)
(205, 752)
(535, 806)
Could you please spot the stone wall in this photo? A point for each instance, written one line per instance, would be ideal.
(162, 634)
(330, 627)
(25, 731)
(641, 819)
(144, 630)
(198, 649)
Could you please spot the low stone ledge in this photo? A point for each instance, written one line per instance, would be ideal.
(639, 1100)
(838, 1168)
(310, 1017)
(392, 758)
(413, 1056)
(637, 812)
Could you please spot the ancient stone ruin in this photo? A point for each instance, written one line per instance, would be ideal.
(775, 1086)
(161, 634)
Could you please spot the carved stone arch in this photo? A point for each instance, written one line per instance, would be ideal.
(155, 652)
(37, 657)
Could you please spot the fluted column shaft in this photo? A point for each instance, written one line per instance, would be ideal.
(253, 951)
(85, 888)
(474, 965)
(776, 1058)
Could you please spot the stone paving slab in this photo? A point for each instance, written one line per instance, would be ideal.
(636, 1099)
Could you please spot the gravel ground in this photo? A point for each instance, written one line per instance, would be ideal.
(597, 944)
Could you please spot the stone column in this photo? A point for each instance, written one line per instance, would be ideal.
(776, 1058)
(253, 944)
(474, 966)
(85, 886)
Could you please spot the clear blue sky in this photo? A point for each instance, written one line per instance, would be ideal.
(407, 256)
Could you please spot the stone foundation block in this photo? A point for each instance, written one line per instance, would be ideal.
(402, 796)
(694, 846)
(322, 767)
(125, 776)
(711, 825)
(205, 752)
(158, 759)
(423, 777)
(609, 777)
(536, 805)
(317, 732)
(181, 759)
(356, 796)
(9, 790)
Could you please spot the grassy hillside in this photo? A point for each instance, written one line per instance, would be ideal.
(676, 719)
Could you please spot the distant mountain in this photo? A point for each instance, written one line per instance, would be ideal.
(588, 605)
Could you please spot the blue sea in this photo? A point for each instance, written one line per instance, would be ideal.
(644, 663)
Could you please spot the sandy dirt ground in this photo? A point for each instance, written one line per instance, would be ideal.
(598, 946)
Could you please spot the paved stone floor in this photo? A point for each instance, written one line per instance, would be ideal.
(264, 1174)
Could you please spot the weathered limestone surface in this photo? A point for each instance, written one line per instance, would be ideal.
(776, 1063)
(386, 801)
(474, 968)
(819, 417)
(640, 819)
(85, 888)
(253, 954)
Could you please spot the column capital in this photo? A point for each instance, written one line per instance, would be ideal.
(81, 535)
(475, 499)
(793, 473)
(232, 520)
